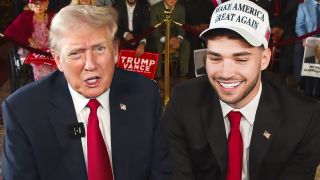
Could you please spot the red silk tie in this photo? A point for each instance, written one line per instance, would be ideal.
(235, 147)
(99, 167)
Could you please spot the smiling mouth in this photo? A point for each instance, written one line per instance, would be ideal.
(230, 85)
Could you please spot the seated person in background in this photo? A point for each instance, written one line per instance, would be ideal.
(54, 5)
(306, 22)
(89, 120)
(133, 20)
(83, 2)
(31, 28)
(177, 40)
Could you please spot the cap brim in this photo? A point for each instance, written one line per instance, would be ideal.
(243, 33)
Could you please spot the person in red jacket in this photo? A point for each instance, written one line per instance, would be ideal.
(31, 28)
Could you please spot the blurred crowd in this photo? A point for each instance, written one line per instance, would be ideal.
(288, 18)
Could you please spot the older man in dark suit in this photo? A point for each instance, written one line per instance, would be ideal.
(89, 120)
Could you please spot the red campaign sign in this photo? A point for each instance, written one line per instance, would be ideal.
(39, 59)
(145, 65)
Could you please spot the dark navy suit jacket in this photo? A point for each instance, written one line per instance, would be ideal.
(37, 145)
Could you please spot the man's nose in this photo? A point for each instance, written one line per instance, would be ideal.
(227, 68)
(89, 61)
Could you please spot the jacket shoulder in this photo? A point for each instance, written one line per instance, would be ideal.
(286, 96)
(131, 80)
(35, 91)
(193, 89)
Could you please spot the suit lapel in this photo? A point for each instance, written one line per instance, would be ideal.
(125, 17)
(267, 120)
(121, 140)
(62, 114)
(214, 127)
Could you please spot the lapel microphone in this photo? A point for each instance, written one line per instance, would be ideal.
(76, 130)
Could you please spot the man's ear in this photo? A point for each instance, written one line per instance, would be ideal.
(265, 58)
(116, 50)
(57, 59)
(115, 59)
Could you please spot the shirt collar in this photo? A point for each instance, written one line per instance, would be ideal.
(248, 111)
(80, 101)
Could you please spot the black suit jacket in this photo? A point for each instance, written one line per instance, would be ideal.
(198, 139)
(37, 145)
(140, 19)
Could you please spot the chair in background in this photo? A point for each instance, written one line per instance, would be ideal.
(20, 74)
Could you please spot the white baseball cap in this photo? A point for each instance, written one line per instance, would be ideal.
(244, 17)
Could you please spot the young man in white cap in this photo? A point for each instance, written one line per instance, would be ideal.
(237, 124)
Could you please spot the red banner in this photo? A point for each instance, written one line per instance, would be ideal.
(40, 59)
(145, 65)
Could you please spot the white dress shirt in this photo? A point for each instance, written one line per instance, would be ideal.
(130, 10)
(246, 126)
(82, 113)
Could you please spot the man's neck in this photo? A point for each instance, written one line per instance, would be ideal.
(131, 4)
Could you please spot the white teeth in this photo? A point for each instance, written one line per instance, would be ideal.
(229, 85)
(92, 81)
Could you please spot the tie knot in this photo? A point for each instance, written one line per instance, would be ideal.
(93, 104)
(234, 118)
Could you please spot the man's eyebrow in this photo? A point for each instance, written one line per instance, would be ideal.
(80, 48)
(98, 44)
(70, 49)
(245, 53)
(213, 53)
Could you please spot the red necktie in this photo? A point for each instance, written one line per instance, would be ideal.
(235, 147)
(99, 167)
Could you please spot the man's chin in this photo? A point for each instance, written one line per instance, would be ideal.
(229, 100)
(92, 93)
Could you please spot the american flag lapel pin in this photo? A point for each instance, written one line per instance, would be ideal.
(123, 107)
(266, 134)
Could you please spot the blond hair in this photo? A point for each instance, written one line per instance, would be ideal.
(73, 16)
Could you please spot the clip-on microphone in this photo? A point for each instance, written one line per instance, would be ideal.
(76, 130)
